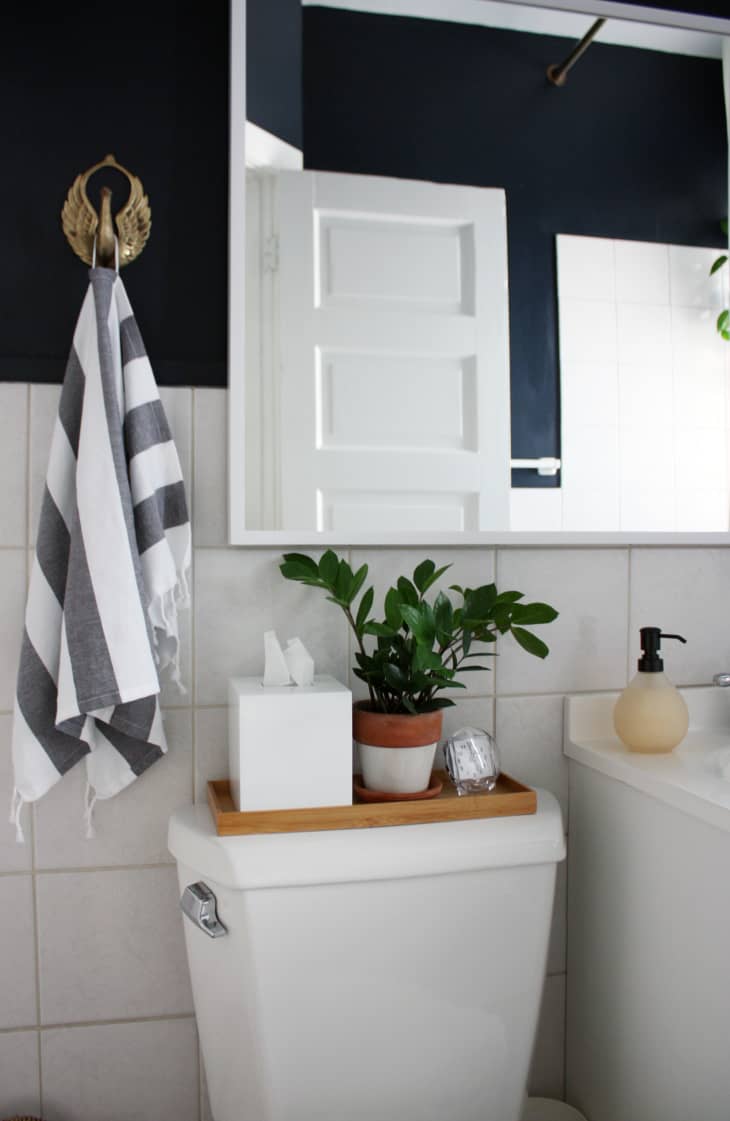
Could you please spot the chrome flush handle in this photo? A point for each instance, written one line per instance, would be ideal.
(199, 904)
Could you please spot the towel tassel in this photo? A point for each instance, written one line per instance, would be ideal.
(17, 802)
(89, 803)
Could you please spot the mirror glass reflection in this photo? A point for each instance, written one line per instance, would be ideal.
(386, 369)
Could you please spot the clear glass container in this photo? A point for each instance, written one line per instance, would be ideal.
(472, 760)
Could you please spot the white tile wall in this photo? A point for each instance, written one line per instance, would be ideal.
(126, 962)
(644, 387)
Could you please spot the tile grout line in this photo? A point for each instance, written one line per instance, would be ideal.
(163, 1018)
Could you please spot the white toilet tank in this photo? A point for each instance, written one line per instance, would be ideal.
(389, 974)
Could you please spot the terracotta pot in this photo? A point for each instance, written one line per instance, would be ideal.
(396, 750)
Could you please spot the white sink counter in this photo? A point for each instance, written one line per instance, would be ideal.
(695, 777)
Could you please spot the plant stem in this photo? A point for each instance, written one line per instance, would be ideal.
(355, 631)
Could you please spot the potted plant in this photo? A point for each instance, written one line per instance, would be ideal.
(419, 649)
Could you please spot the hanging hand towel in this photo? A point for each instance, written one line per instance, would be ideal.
(110, 569)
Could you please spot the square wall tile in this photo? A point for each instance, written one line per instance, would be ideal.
(695, 340)
(547, 1074)
(683, 591)
(536, 509)
(20, 1073)
(589, 587)
(17, 960)
(13, 463)
(645, 334)
(585, 267)
(211, 748)
(44, 401)
(210, 483)
(530, 742)
(111, 945)
(642, 272)
(13, 857)
(128, 1072)
(12, 615)
(587, 330)
(131, 827)
(691, 283)
(588, 394)
(239, 594)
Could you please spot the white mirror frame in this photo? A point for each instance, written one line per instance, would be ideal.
(238, 533)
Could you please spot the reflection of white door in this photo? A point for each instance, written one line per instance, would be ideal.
(394, 366)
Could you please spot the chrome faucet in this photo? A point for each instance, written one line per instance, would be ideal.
(721, 679)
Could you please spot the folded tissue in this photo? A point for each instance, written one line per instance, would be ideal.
(290, 734)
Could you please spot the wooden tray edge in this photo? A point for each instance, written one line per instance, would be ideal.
(516, 800)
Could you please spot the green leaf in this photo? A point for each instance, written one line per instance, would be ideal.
(718, 264)
(479, 602)
(420, 621)
(422, 573)
(723, 320)
(343, 583)
(292, 570)
(392, 608)
(424, 582)
(382, 630)
(303, 562)
(329, 566)
(407, 591)
(357, 581)
(723, 225)
(530, 642)
(509, 597)
(394, 676)
(363, 610)
(531, 613)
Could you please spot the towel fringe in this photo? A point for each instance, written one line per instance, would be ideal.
(90, 799)
(17, 802)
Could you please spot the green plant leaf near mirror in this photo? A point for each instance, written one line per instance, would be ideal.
(419, 646)
(722, 323)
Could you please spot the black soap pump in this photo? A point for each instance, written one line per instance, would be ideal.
(650, 715)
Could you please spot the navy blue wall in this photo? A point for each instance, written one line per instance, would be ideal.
(274, 67)
(632, 147)
(78, 83)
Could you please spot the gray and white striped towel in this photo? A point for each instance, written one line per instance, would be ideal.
(110, 569)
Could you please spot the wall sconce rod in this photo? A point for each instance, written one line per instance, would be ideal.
(557, 74)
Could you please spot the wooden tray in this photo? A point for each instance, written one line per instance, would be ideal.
(508, 797)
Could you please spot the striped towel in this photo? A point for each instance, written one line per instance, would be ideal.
(110, 569)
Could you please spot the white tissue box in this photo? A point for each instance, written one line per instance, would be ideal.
(290, 746)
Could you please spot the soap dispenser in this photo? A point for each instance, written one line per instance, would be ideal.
(650, 715)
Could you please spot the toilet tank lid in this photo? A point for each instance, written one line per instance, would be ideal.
(342, 856)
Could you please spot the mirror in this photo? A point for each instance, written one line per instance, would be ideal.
(631, 150)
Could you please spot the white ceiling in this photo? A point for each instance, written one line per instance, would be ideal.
(688, 34)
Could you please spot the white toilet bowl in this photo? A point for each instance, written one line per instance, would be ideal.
(390, 973)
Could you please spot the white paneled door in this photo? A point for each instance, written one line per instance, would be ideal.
(393, 373)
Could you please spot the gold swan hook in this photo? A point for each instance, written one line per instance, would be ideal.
(83, 227)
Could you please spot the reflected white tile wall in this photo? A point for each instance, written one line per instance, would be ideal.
(668, 392)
